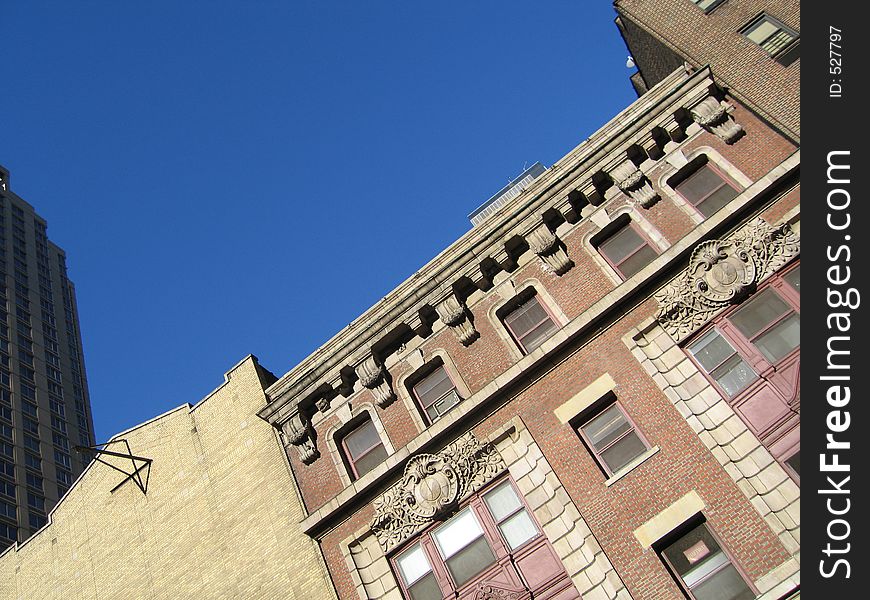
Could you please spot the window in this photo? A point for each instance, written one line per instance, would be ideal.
(32, 461)
(706, 189)
(793, 463)
(31, 443)
(530, 324)
(35, 501)
(34, 481)
(64, 478)
(436, 393)
(62, 459)
(7, 510)
(36, 521)
(627, 251)
(703, 569)
(9, 532)
(467, 547)
(777, 39)
(708, 5)
(7, 488)
(362, 448)
(612, 438)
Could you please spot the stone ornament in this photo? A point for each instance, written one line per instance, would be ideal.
(713, 116)
(633, 182)
(486, 591)
(297, 430)
(453, 313)
(545, 244)
(373, 376)
(721, 273)
(433, 484)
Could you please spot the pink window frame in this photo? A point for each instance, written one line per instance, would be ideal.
(497, 544)
(670, 539)
(721, 174)
(429, 371)
(348, 456)
(534, 296)
(587, 416)
(639, 232)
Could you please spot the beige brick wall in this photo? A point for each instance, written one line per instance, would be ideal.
(220, 519)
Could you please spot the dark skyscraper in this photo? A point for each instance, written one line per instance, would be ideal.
(44, 405)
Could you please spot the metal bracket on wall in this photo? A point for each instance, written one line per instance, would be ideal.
(135, 476)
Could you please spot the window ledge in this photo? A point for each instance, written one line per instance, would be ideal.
(632, 465)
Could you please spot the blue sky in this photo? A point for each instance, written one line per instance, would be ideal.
(248, 177)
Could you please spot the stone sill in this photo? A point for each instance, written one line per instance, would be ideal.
(632, 465)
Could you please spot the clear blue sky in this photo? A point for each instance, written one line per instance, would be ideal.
(248, 177)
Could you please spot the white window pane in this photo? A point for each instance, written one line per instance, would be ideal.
(518, 529)
(413, 564)
(782, 339)
(460, 531)
(502, 501)
(726, 584)
(734, 375)
(711, 350)
(761, 32)
(759, 312)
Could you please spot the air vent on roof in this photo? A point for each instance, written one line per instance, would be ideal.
(506, 194)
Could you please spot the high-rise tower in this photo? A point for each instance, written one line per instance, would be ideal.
(44, 405)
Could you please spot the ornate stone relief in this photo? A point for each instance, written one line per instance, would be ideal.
(721, 273)
(713, 116)
(453, 313)
(374, 377)
(431, 485)
(633, 182)
(297, 430)
(486, 591)
(545, 244)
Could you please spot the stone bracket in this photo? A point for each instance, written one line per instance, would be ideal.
(373, 376)
(712, 115)
(454, 314)
(549, 249)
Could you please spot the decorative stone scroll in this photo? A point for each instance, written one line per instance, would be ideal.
(487, 591)
(374, 377)
(545, 244)
(433, 484)
(721, 273)
(298, 431)
(453, 313)
(713, 116)
(633, 182)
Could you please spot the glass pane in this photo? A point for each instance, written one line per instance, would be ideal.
(717, 200)
(711, 350)
(759, 312)
(781, 339)
(725, 584)
(777, 42)
(457, 533)
(638, 261)
(518, 529)
(760, 32)
(526, 317)
(426, 589)
(370, 461)
(793, 278)
(623, 452)
(699, 184)
(502, 501)
(413, 564)
(794, 461)
(538, 335)
(470, 561)
(441, 406)
(361, 439)
(433, 386)
(621, 244)
(691, 551)
(606, 427)
(734, 375)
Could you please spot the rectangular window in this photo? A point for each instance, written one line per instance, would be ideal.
(6, 449)
(703, 568)
(64, 477)
(721, 361)
(7, 468)
(9, 532)
(8, 510)
(31, 426)
(31, 443)
(31, 461)
(627, 251)
(36, 521)
(775, 38)
(510, 515)
(58, 423)
(34, 481)
(530, 324)
(7, 488)
(35, 501)
(463, 547)
(769, 324)
(706, 190)
(612, 438)
(708, 5)
(436, 393)
(62, 459)
(417, 575)
(363, 448)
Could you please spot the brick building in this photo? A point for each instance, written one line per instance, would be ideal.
(753, 47)
(593, 393)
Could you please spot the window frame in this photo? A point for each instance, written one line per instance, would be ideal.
(347, 456)
(614, 229)
(520, 301)
(422, 375)
(682, 531)
(708, 9)
(593, 412)
(785, 55)
(491, 532)
(691, 170)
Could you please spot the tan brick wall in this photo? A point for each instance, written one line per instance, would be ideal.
(220, 518)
